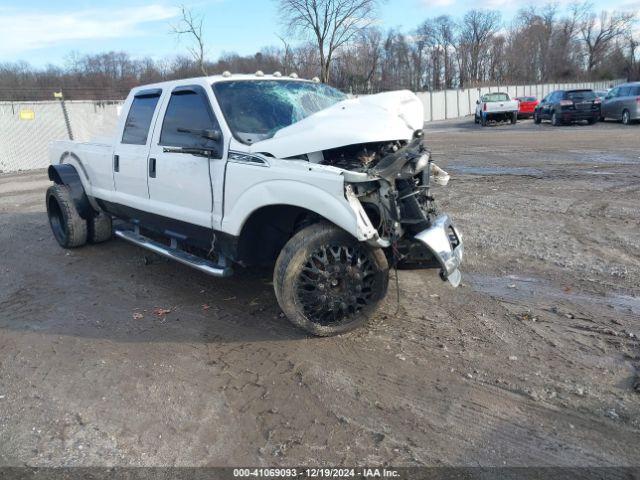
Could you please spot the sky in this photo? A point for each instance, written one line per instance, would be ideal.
(46, 31)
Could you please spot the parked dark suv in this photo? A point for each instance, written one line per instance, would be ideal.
(566, 106)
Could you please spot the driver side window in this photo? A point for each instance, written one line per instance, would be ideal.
(187, 114)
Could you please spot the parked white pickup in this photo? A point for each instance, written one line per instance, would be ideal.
(240, 170)
(498, 107)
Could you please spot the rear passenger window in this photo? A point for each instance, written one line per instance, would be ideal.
(635, 91)
(624, 92)
(187, 110)
(136, 128)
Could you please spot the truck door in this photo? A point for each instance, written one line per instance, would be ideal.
(180, 183)
(132, 150)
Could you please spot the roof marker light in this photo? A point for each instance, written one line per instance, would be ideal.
(315, 80)
(259, 73)
(277, 74)
(226, 74)
(294, 75)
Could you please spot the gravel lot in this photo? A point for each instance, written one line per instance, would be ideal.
(109, 356)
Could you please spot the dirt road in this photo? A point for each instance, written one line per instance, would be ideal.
(111, 357)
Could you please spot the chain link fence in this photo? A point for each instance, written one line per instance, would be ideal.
(26, 128)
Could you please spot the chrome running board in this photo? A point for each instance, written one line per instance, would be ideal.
(176, 254)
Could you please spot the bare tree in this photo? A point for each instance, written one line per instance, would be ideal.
(477, 29)
(600, 32)
(191, 25)
(331, 23)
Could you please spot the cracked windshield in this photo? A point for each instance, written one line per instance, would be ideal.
(256, 110)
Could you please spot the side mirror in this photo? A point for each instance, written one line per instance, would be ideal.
(477, 102)
(214, 135)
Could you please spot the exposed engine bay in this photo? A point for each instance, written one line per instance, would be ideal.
(392, 181)
(360, 157)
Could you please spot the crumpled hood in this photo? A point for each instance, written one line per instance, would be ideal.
(375, 118)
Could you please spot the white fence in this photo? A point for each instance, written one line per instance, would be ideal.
(446, 104)
(26, 128)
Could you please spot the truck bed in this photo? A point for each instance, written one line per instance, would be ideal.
(94, 159)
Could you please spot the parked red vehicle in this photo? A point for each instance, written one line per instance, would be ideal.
(527, 106)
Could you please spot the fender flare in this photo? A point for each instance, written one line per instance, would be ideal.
(65, 174)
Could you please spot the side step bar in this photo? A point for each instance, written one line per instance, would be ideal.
(181, 256)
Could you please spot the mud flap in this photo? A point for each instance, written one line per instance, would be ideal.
(445, 243)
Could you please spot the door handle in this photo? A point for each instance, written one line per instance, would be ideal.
(152, 167)
(116, 163)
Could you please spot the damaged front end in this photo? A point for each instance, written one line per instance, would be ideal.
(390, 183)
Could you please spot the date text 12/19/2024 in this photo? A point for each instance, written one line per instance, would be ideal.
(315, 473)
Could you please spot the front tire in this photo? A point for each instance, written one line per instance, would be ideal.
(536, 119)
(626, 118)
(327, 282)
(555, 121)
(68, 227)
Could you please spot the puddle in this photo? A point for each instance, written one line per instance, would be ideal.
(470, 170)
(593, 172)
(606, 158)
(514, 287)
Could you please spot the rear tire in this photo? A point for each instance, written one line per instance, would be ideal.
(68, 227)
(514, 118)
(100, 228)
(483, 121)
(626, 117)
(327, 282)
(536, 119)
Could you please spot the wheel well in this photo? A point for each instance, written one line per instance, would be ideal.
(268, 229)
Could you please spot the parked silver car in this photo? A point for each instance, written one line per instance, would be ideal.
(622, 103)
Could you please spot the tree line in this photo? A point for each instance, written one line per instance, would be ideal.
(339, 42)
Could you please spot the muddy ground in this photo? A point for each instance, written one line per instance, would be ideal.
(111, 357)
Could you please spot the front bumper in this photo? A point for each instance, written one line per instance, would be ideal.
(445, 243)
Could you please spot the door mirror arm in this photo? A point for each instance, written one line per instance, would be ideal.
(209, 152)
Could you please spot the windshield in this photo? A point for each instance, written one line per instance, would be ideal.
(496, 97)
(255, 110)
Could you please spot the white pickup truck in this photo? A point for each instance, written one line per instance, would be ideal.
(242, 170)
(497, 107)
